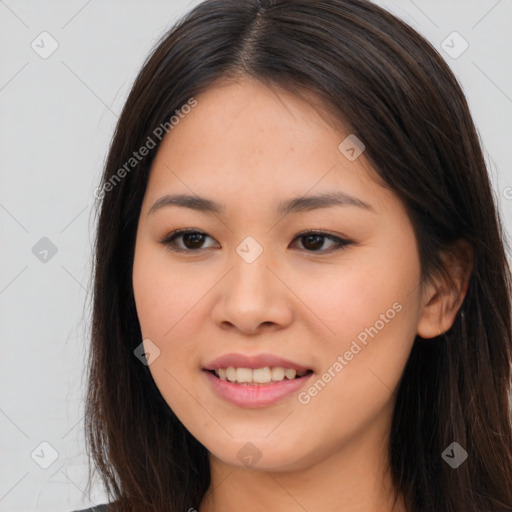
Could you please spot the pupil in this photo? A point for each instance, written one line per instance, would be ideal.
(195, 241)
(316, 238)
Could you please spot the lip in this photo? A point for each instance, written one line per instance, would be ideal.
(255, 395)
(252, 362)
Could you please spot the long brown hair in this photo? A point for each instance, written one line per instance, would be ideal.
(393, 90)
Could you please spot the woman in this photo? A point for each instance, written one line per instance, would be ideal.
(302, 298)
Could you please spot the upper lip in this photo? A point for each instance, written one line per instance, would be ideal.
(256, 361)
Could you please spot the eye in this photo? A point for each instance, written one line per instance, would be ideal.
(192, 241)
(313, 240)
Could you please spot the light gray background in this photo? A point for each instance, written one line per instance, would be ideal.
(57, 117)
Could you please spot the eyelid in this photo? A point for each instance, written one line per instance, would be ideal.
(339, 241)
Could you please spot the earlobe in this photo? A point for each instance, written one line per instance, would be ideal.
(444, 296)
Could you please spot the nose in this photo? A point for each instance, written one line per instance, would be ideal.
(253, 297)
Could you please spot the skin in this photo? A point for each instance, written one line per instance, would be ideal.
(248, 147)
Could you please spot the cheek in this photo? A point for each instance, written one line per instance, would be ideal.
(369, 315)
(163, 294)
(164, 303)
(167, 300)
(345, 302)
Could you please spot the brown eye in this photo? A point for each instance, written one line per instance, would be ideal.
(193, 240)
(190, 240)
(314, 241)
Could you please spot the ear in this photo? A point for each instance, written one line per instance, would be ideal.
(443, 297)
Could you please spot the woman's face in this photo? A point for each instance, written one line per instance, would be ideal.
(252, 283)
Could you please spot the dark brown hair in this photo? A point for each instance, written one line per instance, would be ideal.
(392, 88)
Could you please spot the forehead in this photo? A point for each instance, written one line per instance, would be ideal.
(244, 141)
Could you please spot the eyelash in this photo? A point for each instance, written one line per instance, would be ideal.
(169, 240)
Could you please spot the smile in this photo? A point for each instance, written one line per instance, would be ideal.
(252, 394)
(263, 375)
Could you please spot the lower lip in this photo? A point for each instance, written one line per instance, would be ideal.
(255, 395)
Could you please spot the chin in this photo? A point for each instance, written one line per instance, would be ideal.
(262, 455)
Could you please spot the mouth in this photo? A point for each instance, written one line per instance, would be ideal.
(258, 376)
(257, 387)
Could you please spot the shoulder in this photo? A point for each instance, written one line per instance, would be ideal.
(97, 508)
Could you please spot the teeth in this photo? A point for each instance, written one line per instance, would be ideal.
(278, 373)
(230, 374)
(261, 375)
(243, 375)
(290, 374)
(258, 375)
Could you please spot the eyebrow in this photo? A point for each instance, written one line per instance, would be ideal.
(297, 204)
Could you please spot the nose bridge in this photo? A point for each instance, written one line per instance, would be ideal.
(251, 261)
(252, 295)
